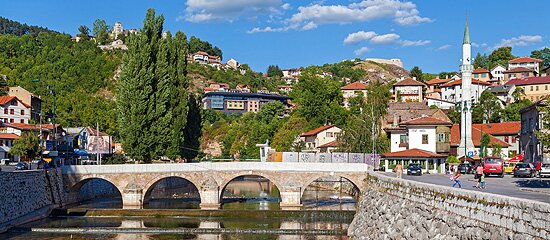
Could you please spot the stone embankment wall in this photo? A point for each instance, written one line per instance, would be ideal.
(26, 192)
(401, 209)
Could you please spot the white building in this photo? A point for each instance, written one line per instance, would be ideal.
(442, 104)
(452, 91)
(393, 61)
(233, 63)
(526, 62)
(320, 137)
(14, 110)
(200, 57)
(498, 74)
(117, 30)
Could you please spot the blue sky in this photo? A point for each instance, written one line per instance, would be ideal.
(425, 33)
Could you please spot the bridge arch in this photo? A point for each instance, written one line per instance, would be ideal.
(74, 195)
(232, 177)
(227, 181)
(356, 183)
(151, 183)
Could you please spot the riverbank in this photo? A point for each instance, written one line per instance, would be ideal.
(393, 208)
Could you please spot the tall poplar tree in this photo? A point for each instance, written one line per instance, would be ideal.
(152, 93)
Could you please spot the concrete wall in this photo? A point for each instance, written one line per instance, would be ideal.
(393, 208)
(27, 195)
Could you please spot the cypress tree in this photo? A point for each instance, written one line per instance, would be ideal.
(136, 90)
(192, 131)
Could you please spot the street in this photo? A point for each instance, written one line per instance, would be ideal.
(527, 188)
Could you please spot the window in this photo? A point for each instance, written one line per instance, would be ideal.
(5, 111)
(484, 75)
(537, 88)
(14, 103)
(506, 139)
(403, 139)
(531, 88)
(329, 134)
(11, 120)
(22, 112)
(513, 140)
(545, 87)
(442, 137)
(424, 138)
(22, 120)
(12, 111)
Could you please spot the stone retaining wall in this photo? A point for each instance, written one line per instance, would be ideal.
(24, 192)
(393, 208)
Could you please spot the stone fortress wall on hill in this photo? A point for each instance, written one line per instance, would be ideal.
(393, 208)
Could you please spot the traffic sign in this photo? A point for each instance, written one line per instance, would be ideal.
(470, 153)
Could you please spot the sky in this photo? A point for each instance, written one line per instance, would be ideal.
(292, 34)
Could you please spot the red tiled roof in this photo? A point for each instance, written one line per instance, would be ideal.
(201, 53)
(519, 69)
(476, 137)
(409, 82)
(413, 153)
(6, 99)
(480, 70)
(8, 136)
(426, 121)
(499, 129)
(355, 86)
(94, 132)
(317, 130)
(524, 59)
(24, 126)
(529, 81)
(330, 144)
(459, 82)
(437, 81)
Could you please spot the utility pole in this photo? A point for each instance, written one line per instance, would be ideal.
(98, 155)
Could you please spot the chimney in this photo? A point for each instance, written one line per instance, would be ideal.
(414, 78)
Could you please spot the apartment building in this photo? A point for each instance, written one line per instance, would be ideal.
(535, 88)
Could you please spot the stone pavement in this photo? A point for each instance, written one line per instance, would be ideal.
(528, 188)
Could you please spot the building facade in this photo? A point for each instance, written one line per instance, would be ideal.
(531, 121)
(452, 91)
(13, 110)
(535, 88)
(482, 74)
(525, 62)
(321, 137)
(240, 102)
(519, 72)
(498, 74)
(353, 90)
(28, 98)
(408, 90)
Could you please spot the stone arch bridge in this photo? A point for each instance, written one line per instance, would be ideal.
(134, 181)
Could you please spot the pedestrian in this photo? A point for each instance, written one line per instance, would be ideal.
(456, 180)
(482, 181)
(479, 170)
(398, 170)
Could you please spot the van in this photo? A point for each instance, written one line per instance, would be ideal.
(493, 166)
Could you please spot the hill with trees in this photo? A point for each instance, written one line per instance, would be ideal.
(8, 26)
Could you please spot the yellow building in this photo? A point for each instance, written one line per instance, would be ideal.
(535, 88)
(482, 74)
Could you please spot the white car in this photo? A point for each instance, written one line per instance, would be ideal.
(545, 170)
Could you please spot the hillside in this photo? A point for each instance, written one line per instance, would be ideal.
(18, 29)
(381, 72)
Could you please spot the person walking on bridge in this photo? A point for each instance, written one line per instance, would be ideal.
(456, 180)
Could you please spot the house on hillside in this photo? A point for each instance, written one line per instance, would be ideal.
(322, 138)
(243, 88)
(201, 57)
(13, 110)
(439, 103)
(452, 91)
(6, 142)
(535, 88)
(284, 89)
(29, 99)
(503, 93)
(520, 72)
(233, 63)
(525, 62)
(353, 90)
(399, 112)
(408, 90)
(424, 140)
(434, 87)
(481, 74)
(498, 74)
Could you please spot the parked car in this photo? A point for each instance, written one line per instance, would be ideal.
(465, 168)
(509, 167)
(493, 166)
(21, 166)
(414, 169)
(545, 170)
(524, 170)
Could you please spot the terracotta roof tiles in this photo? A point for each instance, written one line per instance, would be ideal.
(529, 81)
(317, 130)
(409, 82)
(524, 59)
(413, 153)
(476, 136)
(355, 86)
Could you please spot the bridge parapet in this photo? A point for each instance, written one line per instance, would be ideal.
(135, 181)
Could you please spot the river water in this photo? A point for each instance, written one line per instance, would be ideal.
(250, 211)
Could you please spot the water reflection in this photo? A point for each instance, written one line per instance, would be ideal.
(251, 193)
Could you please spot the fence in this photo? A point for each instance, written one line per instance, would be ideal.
(335, 157)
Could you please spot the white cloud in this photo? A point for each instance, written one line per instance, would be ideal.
(309, 26)
(221, 10)
(360, 36)
(444, 47)
(408, 43)
(477, 45)
(401, 12)
(385, 39)
(523, 40)
(361, 51)
(266, 29)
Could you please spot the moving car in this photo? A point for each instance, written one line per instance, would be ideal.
(524, 170)
(509, 167)
(545, 170)
(21, 166)
(414, 169)
(493, 166)
(465, 168)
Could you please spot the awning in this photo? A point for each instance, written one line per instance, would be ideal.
(516, 159)
(5, 149)
(81, 152)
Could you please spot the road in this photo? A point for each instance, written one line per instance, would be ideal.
(527, 188)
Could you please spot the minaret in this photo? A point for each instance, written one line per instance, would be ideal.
(466, 144)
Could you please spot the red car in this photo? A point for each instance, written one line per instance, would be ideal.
(493, 166)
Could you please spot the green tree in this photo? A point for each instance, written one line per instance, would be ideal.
(512, 111)
(3, 85)
(454, 114)
(365, 129)
(116, 158)
(496, 150)
(84, 33)
(26, 146)
(542, 54)
(152, 93)
(192, 131)
(445, 75)
(274, 71)
(543, 134)
(500, 56)
(416, 72)
(484, 142)
(270, 110)
(488, 109)
(100, 31)
(453, 159)
(481, 61)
